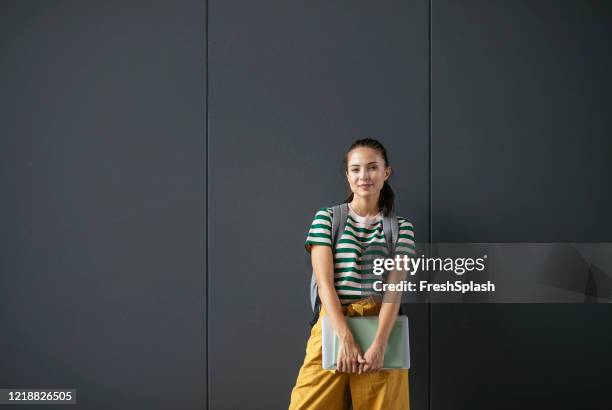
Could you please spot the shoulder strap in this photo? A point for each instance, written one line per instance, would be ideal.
(391, 230)
(339, 216)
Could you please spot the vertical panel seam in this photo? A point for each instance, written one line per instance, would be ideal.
(429, 378)
(207, 155)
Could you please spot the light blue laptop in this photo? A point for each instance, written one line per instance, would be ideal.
(397, 353)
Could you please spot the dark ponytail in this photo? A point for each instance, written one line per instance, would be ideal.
(386, 200)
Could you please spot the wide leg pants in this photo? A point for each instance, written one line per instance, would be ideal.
(317, 388)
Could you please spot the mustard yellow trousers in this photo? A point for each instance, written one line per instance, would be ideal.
(317, 388)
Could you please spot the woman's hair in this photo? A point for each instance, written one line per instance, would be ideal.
(386, 200)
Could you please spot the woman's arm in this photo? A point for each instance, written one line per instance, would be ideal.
(349, 354)
(387, 316)
(391, 300)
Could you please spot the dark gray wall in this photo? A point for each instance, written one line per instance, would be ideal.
(521, 153)
(102, 173)
(103, 177)
(292, 85)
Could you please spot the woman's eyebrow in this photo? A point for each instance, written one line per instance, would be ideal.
(373, 162)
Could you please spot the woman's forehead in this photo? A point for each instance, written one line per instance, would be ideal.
(364, 155)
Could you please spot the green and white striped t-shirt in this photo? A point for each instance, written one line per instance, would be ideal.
(363, 240)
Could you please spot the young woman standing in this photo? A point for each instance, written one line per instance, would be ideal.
(345, 288)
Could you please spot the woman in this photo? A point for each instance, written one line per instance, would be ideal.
(345, 288)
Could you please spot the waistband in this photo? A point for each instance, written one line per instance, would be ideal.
(362, 307)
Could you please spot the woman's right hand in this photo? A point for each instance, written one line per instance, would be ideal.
(349, 356)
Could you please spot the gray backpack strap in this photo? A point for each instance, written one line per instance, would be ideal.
(339, 217)
(342, 211)
(335, 223)
(391, 230)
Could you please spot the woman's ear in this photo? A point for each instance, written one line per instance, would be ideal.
(387, 172)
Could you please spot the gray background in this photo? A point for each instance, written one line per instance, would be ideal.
(102, 175)
(521, 153)
(160, 163)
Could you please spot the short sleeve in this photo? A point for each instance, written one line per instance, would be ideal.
(405, 240)
(320, 229)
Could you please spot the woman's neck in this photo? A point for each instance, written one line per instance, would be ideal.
(366, 207)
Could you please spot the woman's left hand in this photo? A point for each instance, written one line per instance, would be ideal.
(373, 358)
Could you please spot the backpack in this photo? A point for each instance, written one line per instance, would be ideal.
(339, 217)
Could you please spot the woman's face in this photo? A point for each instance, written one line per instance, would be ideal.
(366, 171)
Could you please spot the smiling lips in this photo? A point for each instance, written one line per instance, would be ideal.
(365, 185)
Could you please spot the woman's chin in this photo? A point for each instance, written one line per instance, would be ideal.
(364, 193)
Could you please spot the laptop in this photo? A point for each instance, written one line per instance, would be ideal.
(397, 353)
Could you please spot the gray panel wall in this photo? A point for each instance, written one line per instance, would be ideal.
(103, 182)
(521, 153)
(292, 85)
(102, 173)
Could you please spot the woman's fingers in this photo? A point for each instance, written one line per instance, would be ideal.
(350, 360)
(347, 365)
(361, 361)
(340, 360)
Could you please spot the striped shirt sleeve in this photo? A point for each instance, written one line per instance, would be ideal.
(405, 241)
(320, 229)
